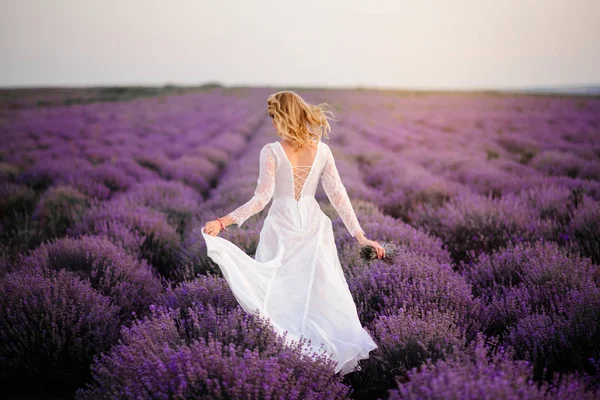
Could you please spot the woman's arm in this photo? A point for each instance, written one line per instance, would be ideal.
(263, 193)
(227, 220)
(336, 192)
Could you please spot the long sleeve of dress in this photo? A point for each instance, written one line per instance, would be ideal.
(264, 188)
(336, 192)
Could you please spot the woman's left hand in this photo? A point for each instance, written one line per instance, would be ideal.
(212, 227)
(374, 244)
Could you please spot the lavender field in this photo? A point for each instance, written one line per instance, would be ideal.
(493, 199)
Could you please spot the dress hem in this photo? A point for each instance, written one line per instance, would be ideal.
(351, 364)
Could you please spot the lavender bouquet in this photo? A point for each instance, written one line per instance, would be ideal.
(369, 254)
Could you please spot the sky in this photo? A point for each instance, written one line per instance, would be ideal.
(425, 44)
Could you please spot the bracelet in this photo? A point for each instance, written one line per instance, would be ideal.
(221, 222)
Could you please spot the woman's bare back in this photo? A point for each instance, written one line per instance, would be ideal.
(302, 157)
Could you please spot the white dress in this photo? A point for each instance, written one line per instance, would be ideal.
(295, 278)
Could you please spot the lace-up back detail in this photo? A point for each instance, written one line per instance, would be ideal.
(300, 173)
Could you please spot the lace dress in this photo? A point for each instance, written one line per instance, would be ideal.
(295, 278)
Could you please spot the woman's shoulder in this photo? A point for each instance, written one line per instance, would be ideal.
(268, 149)
(325, 146)
(269, 146)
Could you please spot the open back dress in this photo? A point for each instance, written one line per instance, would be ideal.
(295, 278)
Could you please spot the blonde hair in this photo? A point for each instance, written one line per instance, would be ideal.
(298, 121)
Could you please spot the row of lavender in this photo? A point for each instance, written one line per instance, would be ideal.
(93, 154)
(490, 240)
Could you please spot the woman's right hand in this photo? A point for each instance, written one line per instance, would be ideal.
(366, 242)
(212, 227)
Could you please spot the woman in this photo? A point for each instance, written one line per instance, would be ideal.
(296, 279)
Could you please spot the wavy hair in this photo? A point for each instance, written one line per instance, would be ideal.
(297, 120)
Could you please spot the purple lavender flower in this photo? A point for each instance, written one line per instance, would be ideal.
(485, 374)
(206, 352)
(51, 327)
(415, 283)
(131, 225)
(130, 282)
(59, 208)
